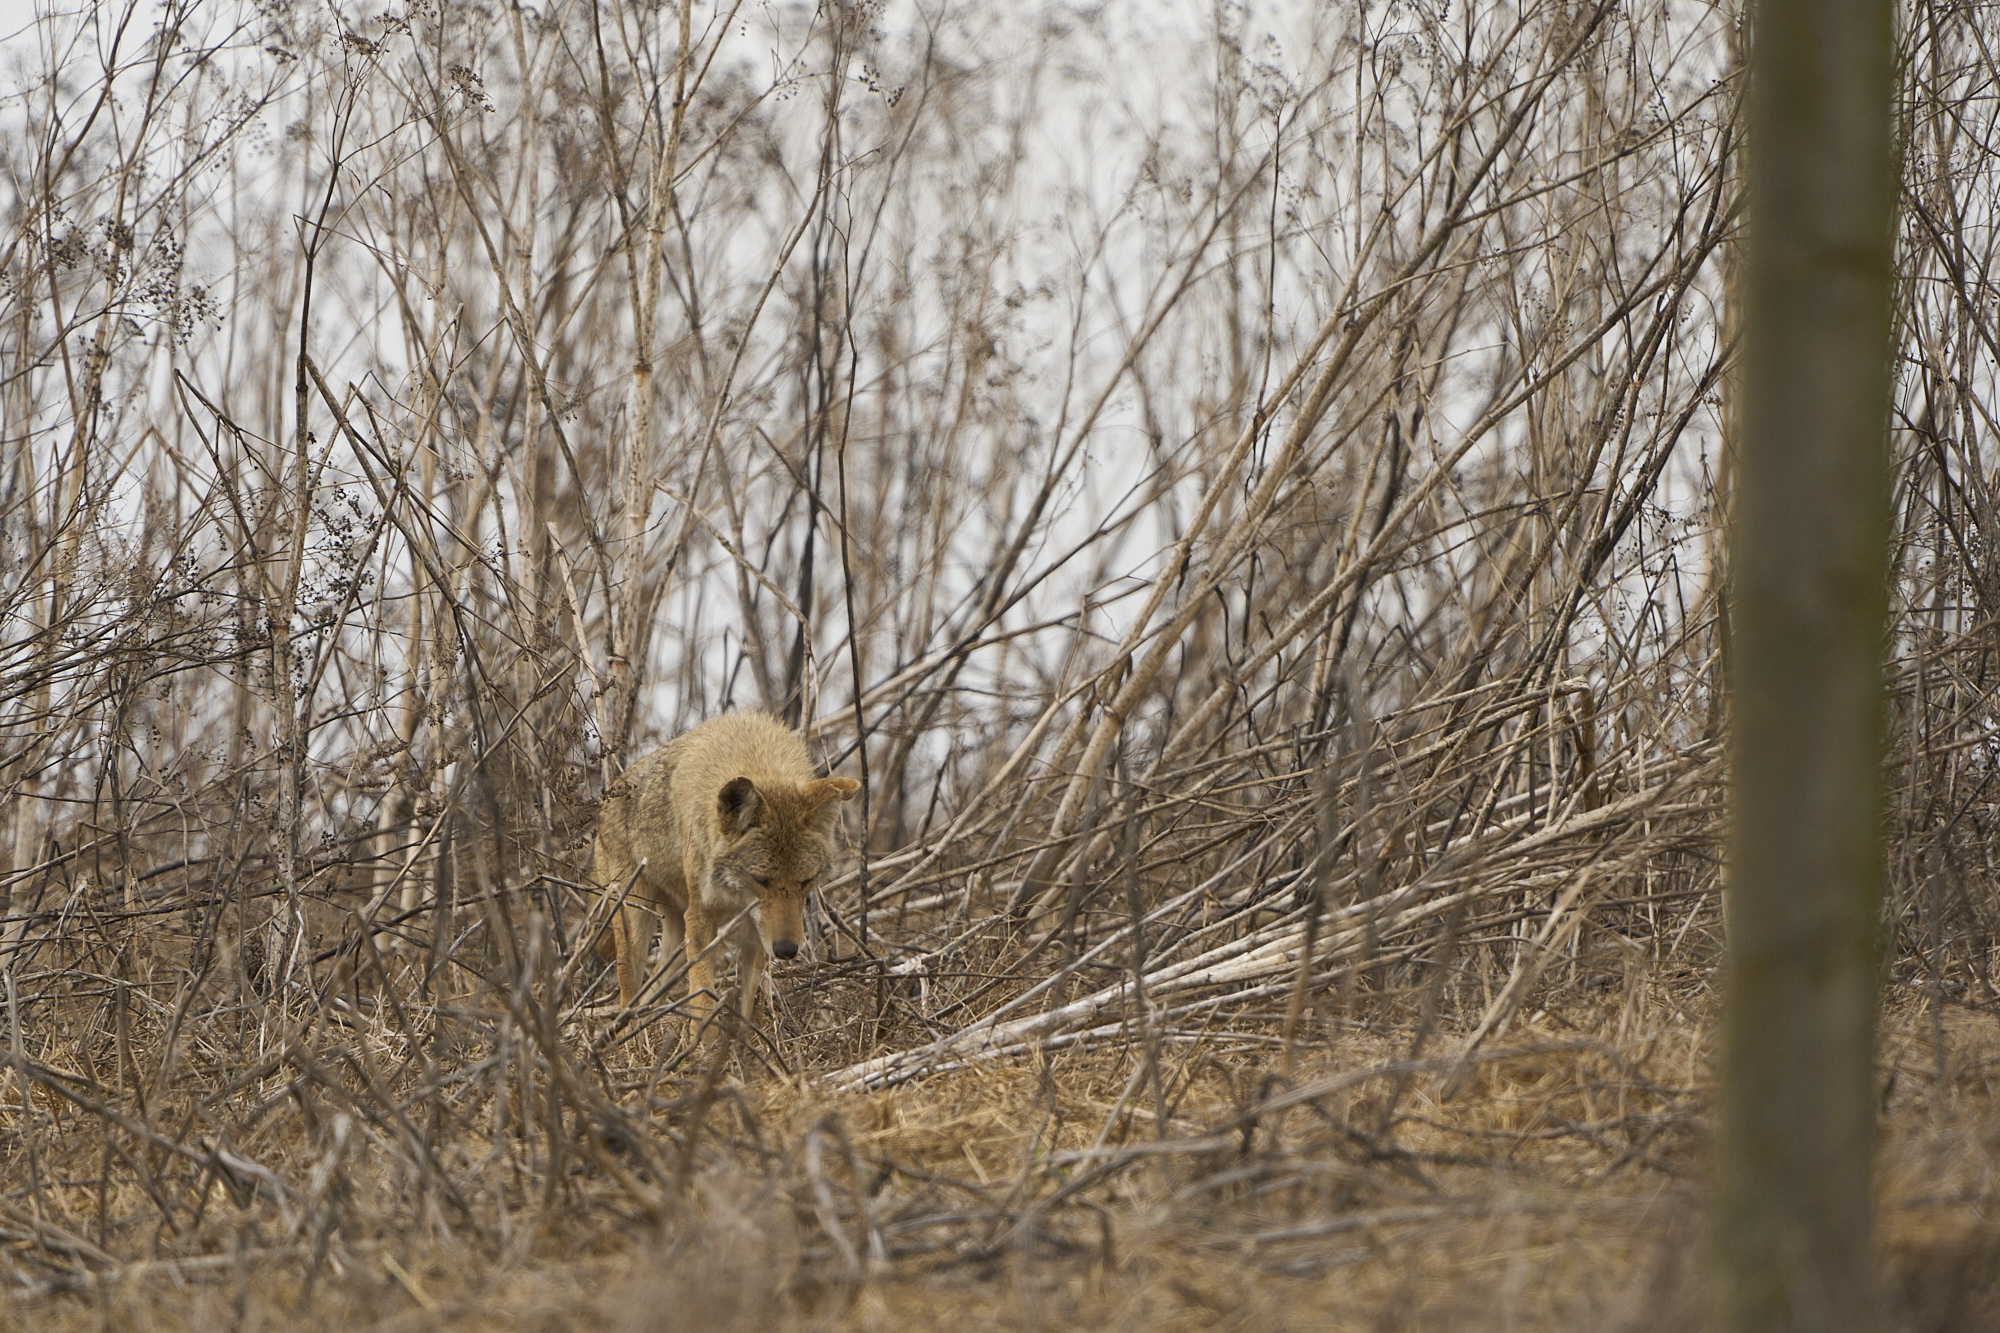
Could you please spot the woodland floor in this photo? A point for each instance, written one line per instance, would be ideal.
(1557, 1188)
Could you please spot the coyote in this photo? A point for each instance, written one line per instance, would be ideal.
(720, 818)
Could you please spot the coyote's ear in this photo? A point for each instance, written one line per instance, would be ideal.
(845, 789)
(821, 793)
(739, 805)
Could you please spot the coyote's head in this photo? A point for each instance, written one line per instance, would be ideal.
(776, 841)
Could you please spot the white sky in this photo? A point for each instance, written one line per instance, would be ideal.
(1094, 125)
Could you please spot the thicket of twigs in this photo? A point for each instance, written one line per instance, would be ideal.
(1245, 497)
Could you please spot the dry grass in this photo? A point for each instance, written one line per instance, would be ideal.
(1557, 1187)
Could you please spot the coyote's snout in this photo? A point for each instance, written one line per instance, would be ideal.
(723, 817)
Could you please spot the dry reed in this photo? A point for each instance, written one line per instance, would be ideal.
(1268, 581)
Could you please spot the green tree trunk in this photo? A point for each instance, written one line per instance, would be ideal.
(1793, 1243)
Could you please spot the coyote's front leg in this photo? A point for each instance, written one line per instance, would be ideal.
(753, 978)
(701, 961)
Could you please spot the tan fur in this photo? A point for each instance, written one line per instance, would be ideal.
(732, 811)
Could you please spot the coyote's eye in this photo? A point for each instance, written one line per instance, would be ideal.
(805, 885)
(760, 881)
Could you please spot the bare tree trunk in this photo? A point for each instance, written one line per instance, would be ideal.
(628, 635)
(1809, 562)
